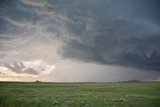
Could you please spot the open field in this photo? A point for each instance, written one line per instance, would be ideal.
(79, 94)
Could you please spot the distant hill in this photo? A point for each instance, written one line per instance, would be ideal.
(132, 81)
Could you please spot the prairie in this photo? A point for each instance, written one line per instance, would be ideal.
(43, 94)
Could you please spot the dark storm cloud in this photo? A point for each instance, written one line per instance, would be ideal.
(77, 26)
(51, 25)
(7, 28)
(124, 33)
(18, 11)
(115, 32)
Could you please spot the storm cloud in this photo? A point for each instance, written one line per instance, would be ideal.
(124, 33)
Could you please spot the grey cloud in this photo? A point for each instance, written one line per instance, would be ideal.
(51, 25)
(115, 36)
(118, 48)
(77, 27)
(18, 11)
(7, 28)
(21, 68)
(123, 33)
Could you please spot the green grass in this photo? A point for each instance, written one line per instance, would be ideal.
(79, 94)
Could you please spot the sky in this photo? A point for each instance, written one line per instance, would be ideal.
(79, 40)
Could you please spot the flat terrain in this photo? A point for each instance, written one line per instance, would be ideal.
(79, 94)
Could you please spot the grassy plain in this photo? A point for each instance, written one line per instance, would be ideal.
(19, 94)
